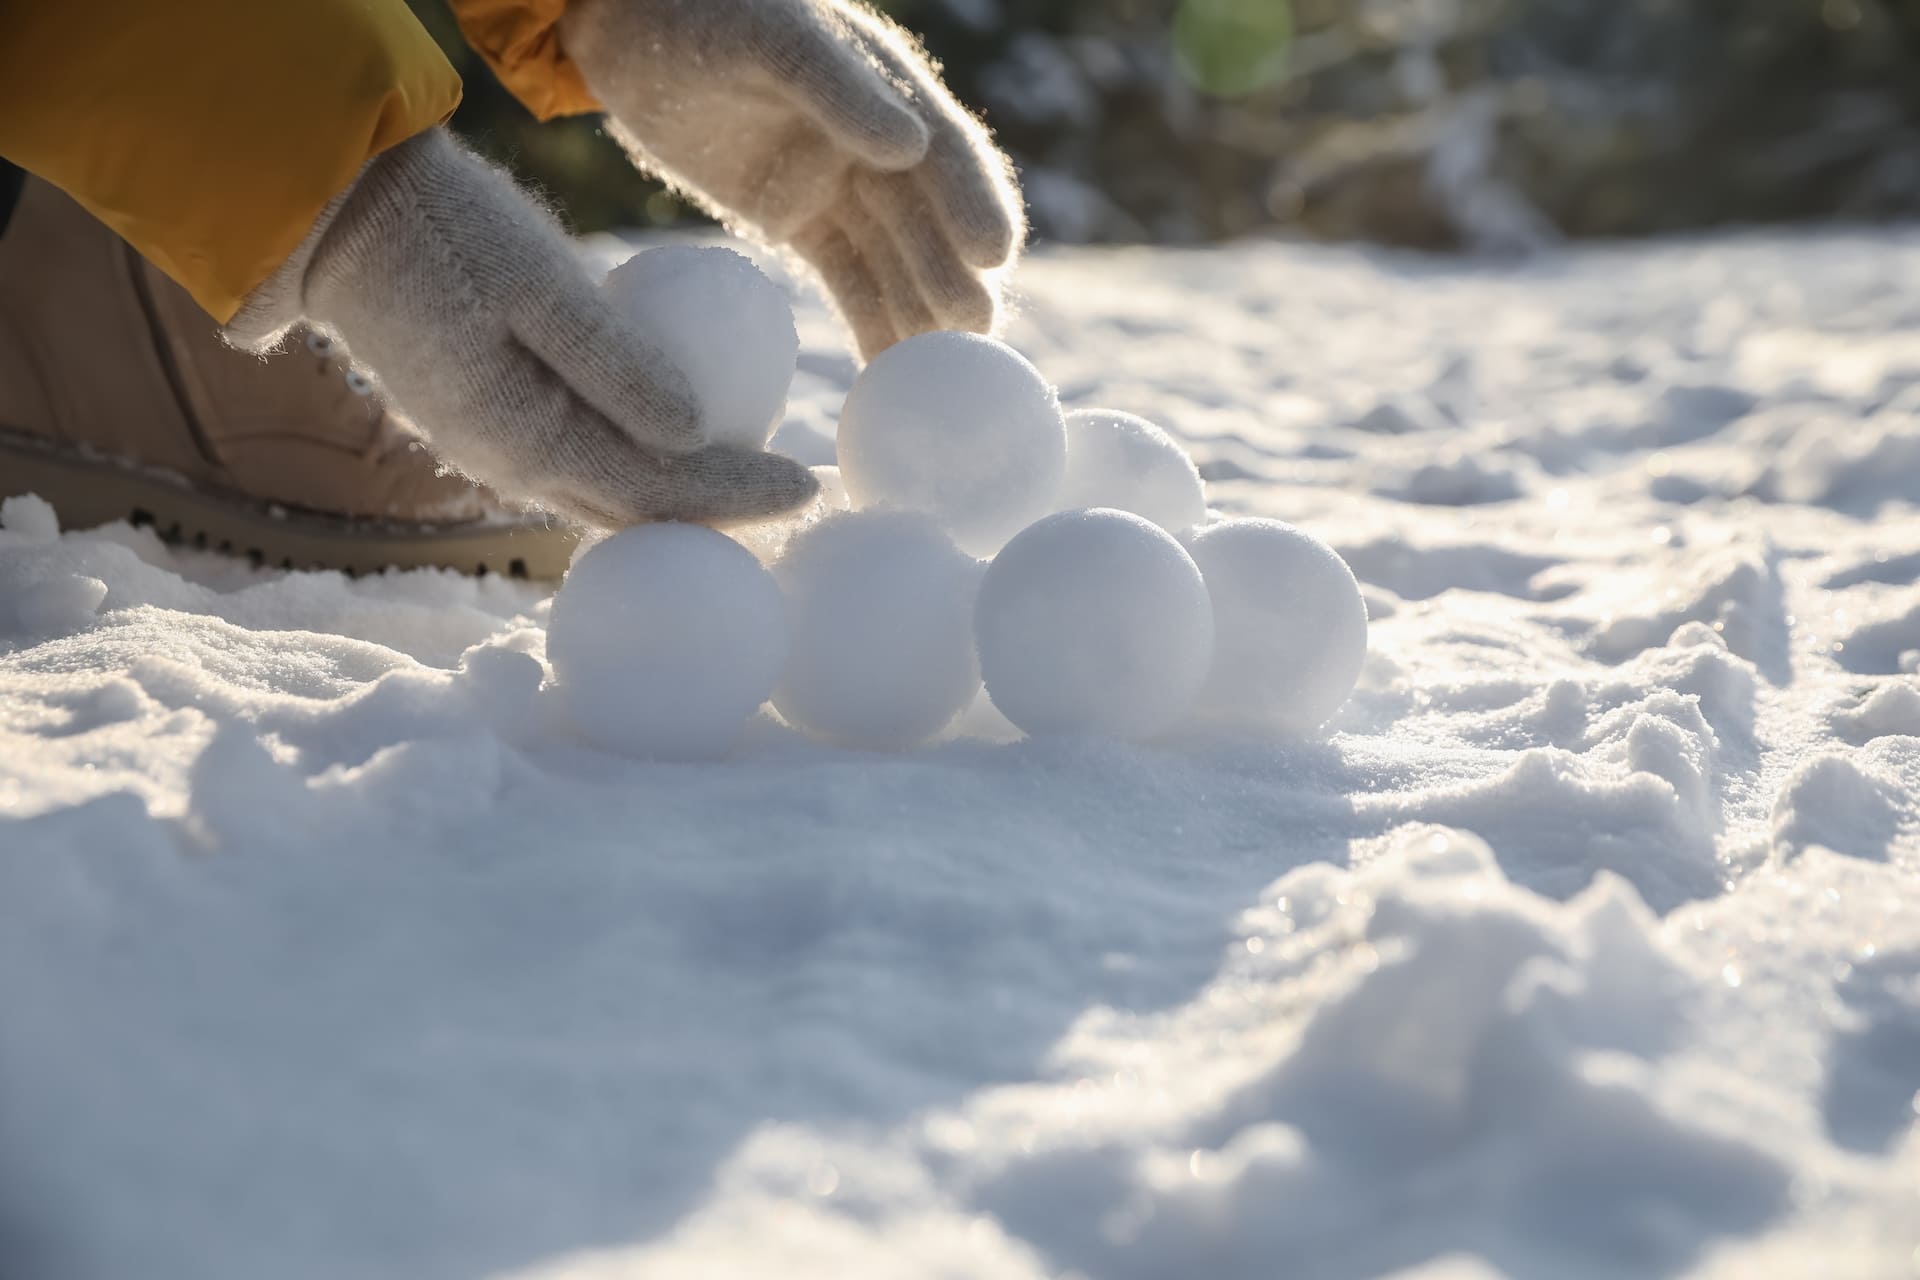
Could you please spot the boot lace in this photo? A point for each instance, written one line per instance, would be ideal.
(388, 435)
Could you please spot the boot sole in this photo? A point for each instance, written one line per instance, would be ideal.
(89, 491)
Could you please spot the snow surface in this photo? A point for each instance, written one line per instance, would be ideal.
(1586, 944)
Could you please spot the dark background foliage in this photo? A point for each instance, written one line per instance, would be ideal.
(1486, 124)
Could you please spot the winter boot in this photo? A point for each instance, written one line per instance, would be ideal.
(118, 400)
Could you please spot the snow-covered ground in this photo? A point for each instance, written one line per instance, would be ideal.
(1587, 945)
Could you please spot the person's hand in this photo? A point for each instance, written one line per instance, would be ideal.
(817, 125)
(486, 332)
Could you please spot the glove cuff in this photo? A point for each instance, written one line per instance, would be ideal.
(277, 303)
(374, 205)
(281, 301)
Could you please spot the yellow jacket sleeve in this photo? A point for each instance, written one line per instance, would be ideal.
(211, 133)
(518, 40)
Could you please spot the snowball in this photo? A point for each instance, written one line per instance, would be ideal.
(724, 324)
(30, 516)
(1117, 460)
(664, 638)
(880, 610)
(1290, 628)
(1093, 620)
(957, 425)
(38, 598)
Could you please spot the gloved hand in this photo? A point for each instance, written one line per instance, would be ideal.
(489, 335)
(817, 125)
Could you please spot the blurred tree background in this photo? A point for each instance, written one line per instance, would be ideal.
(1495, 125)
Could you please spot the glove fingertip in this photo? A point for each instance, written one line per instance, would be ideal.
(672, 422)
(987, 231)
(976, 310)
(732, 486)
(878, 127)
(793, 488)
(829, 76)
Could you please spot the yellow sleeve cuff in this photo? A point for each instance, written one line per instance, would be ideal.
(519, 40)
(211, 133)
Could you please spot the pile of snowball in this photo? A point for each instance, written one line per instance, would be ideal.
(972, 534)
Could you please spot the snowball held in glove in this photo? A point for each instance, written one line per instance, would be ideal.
(726, 326)
(1093, 620)
(958, 426)
(880, 611)
(1118, 460)
(1290, 626)
(664, 640)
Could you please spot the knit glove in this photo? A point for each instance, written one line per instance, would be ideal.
(816, 125)
(487, 333)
